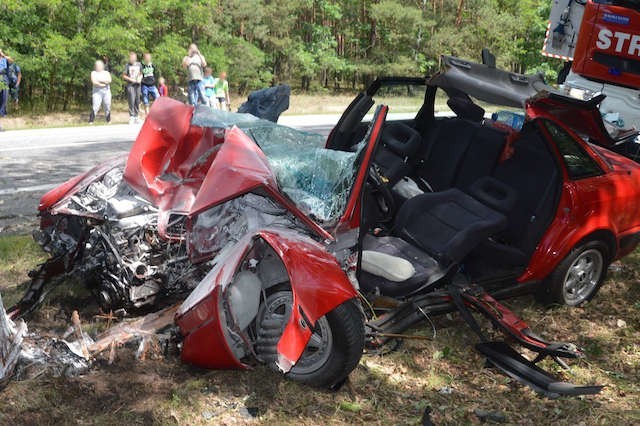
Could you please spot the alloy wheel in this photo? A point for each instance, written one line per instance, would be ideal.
(582, 277)
(272, 319)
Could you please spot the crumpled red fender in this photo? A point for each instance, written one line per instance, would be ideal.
(318, 284)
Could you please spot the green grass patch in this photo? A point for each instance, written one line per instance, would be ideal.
(18, 254)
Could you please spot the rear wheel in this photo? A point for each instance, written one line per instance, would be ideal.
(333, 351)
(578, 277)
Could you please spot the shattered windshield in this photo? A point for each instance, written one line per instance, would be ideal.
(317, 180)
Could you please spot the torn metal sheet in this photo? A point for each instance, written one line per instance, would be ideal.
(51, 356)
(26, 356)
(11, 337)
(487, 83)
(233, 292)
(227, 223)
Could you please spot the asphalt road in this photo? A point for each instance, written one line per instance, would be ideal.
(34, 161)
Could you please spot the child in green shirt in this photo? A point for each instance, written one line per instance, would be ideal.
(221, 88)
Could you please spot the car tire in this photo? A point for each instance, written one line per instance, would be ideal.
(335, 347)
(577, 279)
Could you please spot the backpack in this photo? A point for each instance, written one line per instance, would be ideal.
(12, 74)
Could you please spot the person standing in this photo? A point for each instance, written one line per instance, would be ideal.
(163, 90)
(209, 84)
(149, 79)
(101, 92)
(195, 64)
(107, 63)
(15, 78)
(4, 83)
(222, 92)
(133, 76)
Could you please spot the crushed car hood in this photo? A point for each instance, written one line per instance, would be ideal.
(186, 168)
(170, 158)
(218, 154)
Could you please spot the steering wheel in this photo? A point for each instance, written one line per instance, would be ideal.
(382, 194)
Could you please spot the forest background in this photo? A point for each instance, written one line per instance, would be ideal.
(316, 46)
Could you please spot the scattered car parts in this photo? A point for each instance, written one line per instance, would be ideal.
(275, 239)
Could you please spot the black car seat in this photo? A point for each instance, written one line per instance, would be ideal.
(445, 227)
(446, 148)
(399, 144)
(482, 156)
(533, 173)
(424, 270)
(446, 144)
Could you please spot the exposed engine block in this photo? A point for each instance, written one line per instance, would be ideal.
(124, 262)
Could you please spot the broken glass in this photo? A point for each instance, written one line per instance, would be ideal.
(317, 180)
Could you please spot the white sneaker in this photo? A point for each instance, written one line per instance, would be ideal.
(132, 120)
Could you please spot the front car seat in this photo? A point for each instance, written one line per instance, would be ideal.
(447, 225)
(399, 143)
(436, 232)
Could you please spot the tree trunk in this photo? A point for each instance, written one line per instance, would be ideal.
(459, 13)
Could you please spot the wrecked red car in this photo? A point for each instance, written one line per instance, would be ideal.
(277, 235)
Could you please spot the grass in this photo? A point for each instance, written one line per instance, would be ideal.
(18, 254)
(444, 375)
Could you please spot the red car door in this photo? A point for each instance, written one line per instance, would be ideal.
(602, 190)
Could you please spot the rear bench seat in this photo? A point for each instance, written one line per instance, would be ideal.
(457, 152)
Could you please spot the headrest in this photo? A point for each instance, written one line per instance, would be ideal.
(401, 139)
(466, 109)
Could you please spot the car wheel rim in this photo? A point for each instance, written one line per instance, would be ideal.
(274, 315)
(582, 277)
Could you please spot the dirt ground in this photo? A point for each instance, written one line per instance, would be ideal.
(17, 120)
(444, 376)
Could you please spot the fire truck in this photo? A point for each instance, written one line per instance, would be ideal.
(600, 42)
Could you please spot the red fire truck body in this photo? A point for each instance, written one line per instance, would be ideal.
(608, 47)
(600, 40)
